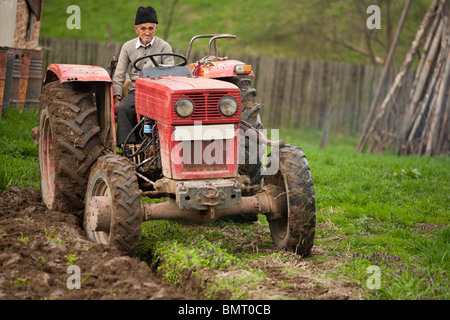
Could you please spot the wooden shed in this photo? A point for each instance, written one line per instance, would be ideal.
(20, 55)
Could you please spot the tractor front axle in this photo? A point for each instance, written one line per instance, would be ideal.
(267, 202)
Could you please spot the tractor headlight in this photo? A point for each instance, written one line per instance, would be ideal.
(184, 107)
(228, 106)
(242, 69)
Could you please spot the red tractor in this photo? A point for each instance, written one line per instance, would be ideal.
(201, 148)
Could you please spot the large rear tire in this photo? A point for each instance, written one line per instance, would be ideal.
(113, 185)
(69, 144)
(295, 230)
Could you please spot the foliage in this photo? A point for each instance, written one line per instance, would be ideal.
(22, 238)
(408, 172)
(281, 28)
(18, 152)
(52, 235)
(415, 279)
(20, 282)
(71, 259)
(176, 249)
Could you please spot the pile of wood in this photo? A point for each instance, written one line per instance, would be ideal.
(418, 124)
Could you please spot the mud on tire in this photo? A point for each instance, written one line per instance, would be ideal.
(69, 144)
(114, 177)
(295, 231)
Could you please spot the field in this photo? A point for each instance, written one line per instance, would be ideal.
(382, 233)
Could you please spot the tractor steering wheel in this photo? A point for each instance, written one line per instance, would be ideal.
(156, 64)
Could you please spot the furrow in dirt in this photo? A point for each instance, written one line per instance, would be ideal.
(43, 252)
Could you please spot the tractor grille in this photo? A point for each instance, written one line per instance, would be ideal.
(207, 107)
(217, 152)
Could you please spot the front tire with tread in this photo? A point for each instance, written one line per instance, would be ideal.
(295, 231)
(114, 176)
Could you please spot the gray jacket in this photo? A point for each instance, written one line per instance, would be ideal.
(129, 53)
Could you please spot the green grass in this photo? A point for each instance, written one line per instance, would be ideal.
(390, 211)
(384, 204)
(177, 251)
(383, 210)
(383, 187)
(18, 161)
(275, 28)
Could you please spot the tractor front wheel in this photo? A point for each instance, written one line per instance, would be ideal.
(294, 231)
(112, 211)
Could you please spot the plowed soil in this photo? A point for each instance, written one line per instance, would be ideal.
(38, 245)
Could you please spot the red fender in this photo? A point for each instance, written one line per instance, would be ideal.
(82, 73)
(217, 69)
(76, 72)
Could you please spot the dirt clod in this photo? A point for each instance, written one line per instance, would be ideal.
(38, 245)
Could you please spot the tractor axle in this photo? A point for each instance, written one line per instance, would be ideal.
(268, 202)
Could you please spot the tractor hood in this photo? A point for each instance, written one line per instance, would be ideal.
(177, 83)
(156, 99)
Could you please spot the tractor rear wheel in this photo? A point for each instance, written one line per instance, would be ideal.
(295, 230)
(68, 144)
(112, 212)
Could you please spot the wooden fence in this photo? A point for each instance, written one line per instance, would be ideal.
(78, 52)
(298, 93)
(292, 92)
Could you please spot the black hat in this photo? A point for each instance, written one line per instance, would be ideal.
(145, 15)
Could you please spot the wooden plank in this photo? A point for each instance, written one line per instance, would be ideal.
(3, 67)
(265, 82)
(331, 104)
(372, 119)
(288, 92)
(358, 111)
(322, 95)
(277, 84)
(304, 71)
(23, 82)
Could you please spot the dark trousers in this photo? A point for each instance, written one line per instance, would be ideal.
(126, 120)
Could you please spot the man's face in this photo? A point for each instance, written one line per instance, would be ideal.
(146, 32)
